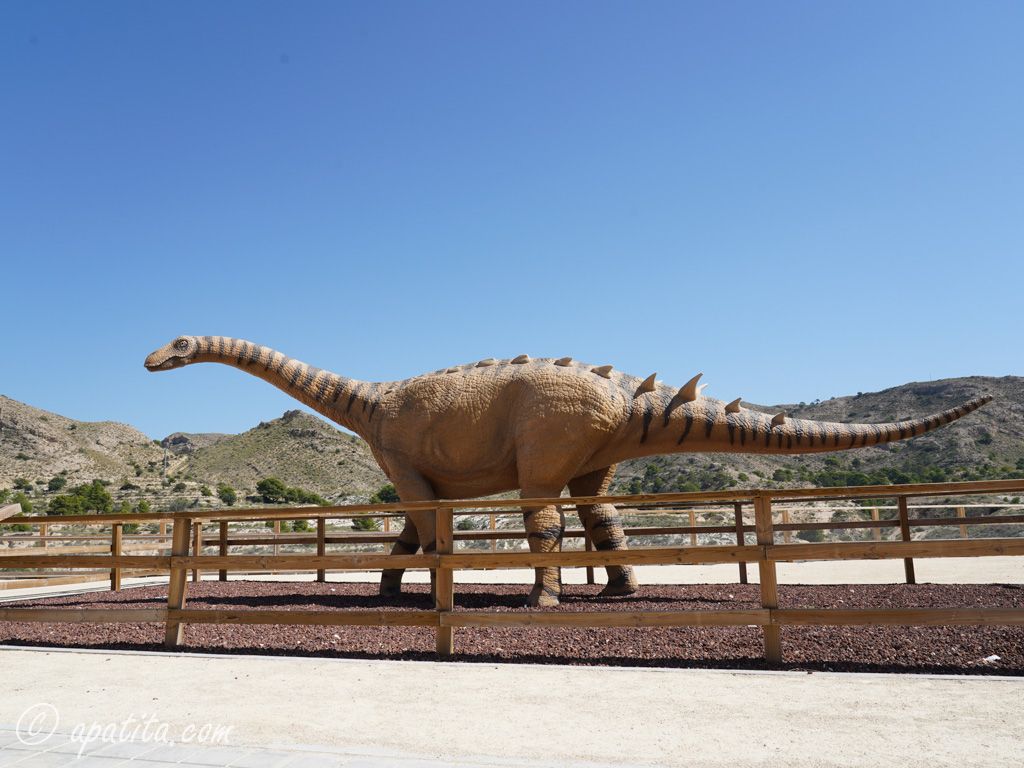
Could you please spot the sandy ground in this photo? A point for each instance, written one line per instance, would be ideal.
(546, 715)
(951, 570)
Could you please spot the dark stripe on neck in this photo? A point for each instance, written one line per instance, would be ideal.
(352, 397)
(338, 389)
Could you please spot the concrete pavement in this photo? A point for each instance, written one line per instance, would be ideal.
(423, 713)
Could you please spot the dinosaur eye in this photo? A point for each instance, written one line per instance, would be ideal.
(181, 344)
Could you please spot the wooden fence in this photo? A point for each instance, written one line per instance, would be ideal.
(187, 535)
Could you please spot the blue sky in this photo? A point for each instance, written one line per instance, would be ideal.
(802, 200)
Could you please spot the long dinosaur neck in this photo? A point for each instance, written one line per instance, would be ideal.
(348, 402)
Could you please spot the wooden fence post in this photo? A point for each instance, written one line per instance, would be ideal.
(876, 533)
(494, 541)
(321, 545)
(174, 632)
(43, 528)
(769, 581)
(222, 549)
(787, 536)
(908, 562)
(961, 512)
(444, 582)
(588, 545)
(163, 527)
(277, 532)
(387, 527)
(115, 549)
(197, 546)
(737, 510)
(693, 524)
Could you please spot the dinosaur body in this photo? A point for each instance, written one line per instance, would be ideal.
(533, 425)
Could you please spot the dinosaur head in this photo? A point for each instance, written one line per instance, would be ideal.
(181, 351)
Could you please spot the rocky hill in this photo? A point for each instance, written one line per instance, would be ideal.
(304, 451)
(39, 445)
(46, 450)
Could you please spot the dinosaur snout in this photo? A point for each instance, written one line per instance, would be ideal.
(162, 360)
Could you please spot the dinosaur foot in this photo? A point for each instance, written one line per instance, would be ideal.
(541, 597)
(623, 584)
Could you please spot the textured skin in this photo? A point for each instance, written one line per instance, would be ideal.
(532, 425)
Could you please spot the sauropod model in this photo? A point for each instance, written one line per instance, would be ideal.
(536, 425)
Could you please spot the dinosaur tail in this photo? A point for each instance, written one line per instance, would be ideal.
(755, 432)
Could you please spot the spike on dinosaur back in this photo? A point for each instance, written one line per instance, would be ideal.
(688, 392)
(603, 370)
(779, 419)
(734, 406)
(485, 363)
(563, 361)
(521, 359)
(647, 385)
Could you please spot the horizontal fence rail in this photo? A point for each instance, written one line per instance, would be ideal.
(182, 550)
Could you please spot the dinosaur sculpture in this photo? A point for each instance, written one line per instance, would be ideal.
(535, 425)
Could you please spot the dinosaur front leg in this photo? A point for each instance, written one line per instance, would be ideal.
(419, 528)
(407, 543)
(544, 529)
(604, 526)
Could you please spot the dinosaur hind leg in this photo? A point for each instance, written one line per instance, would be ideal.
(407, 543)
(604, 526)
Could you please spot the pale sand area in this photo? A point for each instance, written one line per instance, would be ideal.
(950, 570)
(484, 714)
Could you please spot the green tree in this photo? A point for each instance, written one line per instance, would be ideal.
(204, 490)
(143, 507)
(22, 484)
(57, 483)
(126, 509)
(65, 504)
(227, 494)
(25, 501)
(386, 494)
(272, 490)
(365, 523)
(94, 497)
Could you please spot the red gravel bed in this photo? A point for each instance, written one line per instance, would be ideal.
(956, 649)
